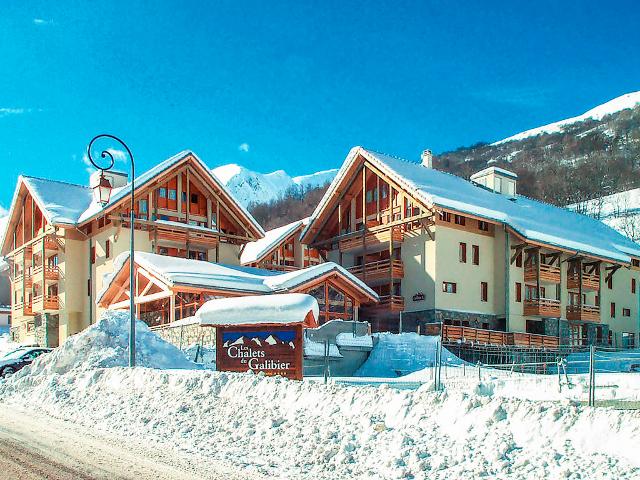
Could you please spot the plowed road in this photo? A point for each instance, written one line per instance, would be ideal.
(35, 447)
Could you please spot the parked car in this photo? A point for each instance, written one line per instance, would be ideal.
(21, 357)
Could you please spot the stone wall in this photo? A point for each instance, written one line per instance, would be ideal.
(184, 335)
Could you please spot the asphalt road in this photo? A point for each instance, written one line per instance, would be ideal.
(38, 447)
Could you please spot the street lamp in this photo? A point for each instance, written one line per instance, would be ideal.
(103, 195)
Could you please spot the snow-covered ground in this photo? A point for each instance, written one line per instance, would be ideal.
(290, 429)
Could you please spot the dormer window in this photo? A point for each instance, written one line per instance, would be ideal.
(194, 198)
(162, 192)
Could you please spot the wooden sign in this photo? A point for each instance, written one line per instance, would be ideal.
(274, 350)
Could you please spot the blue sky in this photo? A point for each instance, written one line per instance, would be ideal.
(294, 85)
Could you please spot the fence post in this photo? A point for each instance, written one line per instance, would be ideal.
(326, 360)
(439, 358)
(479, 368)
(591, 376)
(559, 377)
(181, 330)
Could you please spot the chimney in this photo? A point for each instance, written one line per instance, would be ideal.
(427, 159)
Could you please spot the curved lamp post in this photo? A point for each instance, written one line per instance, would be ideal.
(104, 192)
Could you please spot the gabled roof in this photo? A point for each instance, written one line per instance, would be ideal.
(214, 276)
(533, 220)
(255, 251)
(64, 203)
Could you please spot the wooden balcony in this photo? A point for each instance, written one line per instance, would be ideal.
(585, 313)
(387, 304)
(548, 273)
(279, 268)
(374, 240)
(51, 243)
(46, 302)
(590, 281)
(542, 307)
(27, 309)
(382, 270)
(51, 272)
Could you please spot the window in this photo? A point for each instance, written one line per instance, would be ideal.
(462, 252)
(518, 292)
(475, 254)
(93, 255)
(635, 262)
(449, 287)
(143, 206)
(184, 197)
(628, 340)
(172, 194)
(633, 285)
(459, 220)
(484, 291)
(498, 184)
(613, 310)
(107, 248)
(482, 225)
(162, 192)
(519, 260)
(511, 188)
(610, 282)
(445, 216)
(194, 198)
(626, 312)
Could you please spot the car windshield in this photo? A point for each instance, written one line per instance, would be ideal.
(15, 354)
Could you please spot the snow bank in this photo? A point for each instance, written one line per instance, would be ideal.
(305, 430)
(394, 355)
(104, 345)
(6, 345)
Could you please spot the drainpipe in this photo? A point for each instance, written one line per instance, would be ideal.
(507, 281)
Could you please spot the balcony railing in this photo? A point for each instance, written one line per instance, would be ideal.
(380, 270)
(590, 281)
(586, 313)
(371, 240)
(387, 304)
(27, 308)
(542, 307)
(51, 272)
(50, 243)
(46, 302)
(279, 268)
(453, 333)
(548, 273)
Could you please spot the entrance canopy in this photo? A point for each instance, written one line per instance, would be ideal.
(270, 310)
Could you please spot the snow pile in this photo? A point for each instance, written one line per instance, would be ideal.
(206, 355)
(6, 345)
(105, 345)
(395, 355)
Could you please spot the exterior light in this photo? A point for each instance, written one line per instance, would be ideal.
(102, 191)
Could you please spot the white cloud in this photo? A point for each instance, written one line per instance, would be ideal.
(243, 147)
(118, 156)
(6, 111)
(42, 21)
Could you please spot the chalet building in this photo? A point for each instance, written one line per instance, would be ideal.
(172, 289)
(441, 250)
(281, 249)
(61, 242)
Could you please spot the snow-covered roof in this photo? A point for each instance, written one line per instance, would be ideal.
(534, 220)
(255, 251)
(281, 309)
(214, 276)
(493, 170)
(64, 203)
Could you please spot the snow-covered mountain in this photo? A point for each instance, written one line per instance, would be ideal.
(628, 100)
(251, 187)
